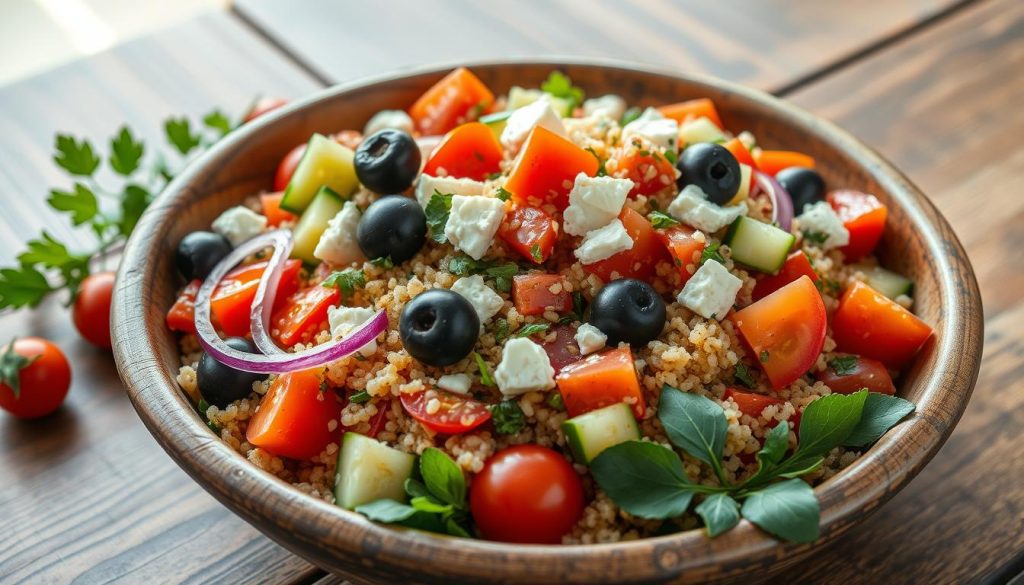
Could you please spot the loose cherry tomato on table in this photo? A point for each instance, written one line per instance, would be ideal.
(847, 374)
(468, 152)
(454, 414)
(294, 418)
(34, 377)
(91, 312)
(526, 494)
(457, 98)
(530, 231)
(262, 106)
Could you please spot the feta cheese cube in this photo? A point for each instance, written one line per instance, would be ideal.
(606, 106)
(524, 367)
(457, 383)
(711, 291)
(338, 245)
(604, 242)
(821, 220)
(427, 185)
(653, 127)
(239, 224)
(525, 119)
(388, 119)
(593, 202)
(473, 222)
(692, 207)
(485, 301)
(590, 338)
(344, 320)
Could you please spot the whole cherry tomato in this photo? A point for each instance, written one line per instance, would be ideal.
(34, 377)
(91, 312)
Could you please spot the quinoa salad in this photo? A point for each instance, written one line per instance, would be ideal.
(547, 317)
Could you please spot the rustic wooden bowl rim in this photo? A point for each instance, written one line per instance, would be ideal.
(317, 530)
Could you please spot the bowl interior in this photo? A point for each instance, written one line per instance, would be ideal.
(917, 242)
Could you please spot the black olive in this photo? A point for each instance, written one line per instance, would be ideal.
(628, 310)
(439, 327)
(221, 385)
(393, 226)
(712, 168)
(199, 252)
(805, 186)
(388, 161)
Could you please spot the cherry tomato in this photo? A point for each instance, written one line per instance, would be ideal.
(535, 293)
(526, 494)
(641, 260)
(863, 216)
(468, 152)
(182, 316)
(871, 325)
(91, 312)
(546, 168)
(863, 373)
(294, 418)
(302, 314)
(683, 247)
(286, 168)
(41, 373)
(785, 330)
(231, 301)
(530, 231)
(563, 349)
(459, 97)
(600, 380)
(262, 106)
(795, 266)
(649, 170)
(454, 414)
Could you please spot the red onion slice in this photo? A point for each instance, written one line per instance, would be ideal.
(782, 203)
(278, 362)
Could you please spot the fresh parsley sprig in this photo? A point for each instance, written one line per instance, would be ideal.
(500, 272)
(347, 281)
(559, 85)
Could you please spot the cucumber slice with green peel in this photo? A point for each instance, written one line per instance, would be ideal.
(325, 163)
(758, 245)
(369, 470)
(589, 434)
(887, 282)
(700, 130)
(519, 97)
(496, 122)
(313, 223)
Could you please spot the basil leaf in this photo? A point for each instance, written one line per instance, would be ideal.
(843, 365)
(775, 444)
(786, 509)
(693, 423)
(387, 511)
(443, 477)
(719, 512)
(428, 504)
(453, 528)
(415, 488)
(828, 421)
(644, 479)
(799, 465)
(881, 412)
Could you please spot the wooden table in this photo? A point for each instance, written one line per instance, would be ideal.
(936, 86)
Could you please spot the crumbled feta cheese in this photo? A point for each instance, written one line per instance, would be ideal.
(485, 301)
(427, 185)
(522, 121)
(590, 338)
(711, 291)
(239, 224)
(653, 127)
(473, 222)
(524, 367)
(604, 242)
(457, 383)
(344, 320)
(593, 202)
(338, 245)
(388, 119)
(606, 106)
(692, 207)
(821, 220)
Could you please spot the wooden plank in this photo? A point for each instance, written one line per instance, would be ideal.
(767, 44)
(87, 495)
(945, 107)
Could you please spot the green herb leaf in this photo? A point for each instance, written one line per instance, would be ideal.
(437, 211)
(559, 85)
(134, 201)
(644, 479)
(881, 412)
(179, 134)
(711, 253)
(386, 511)
(579, 305)
(485, 372)
(776, 442)
(383, 262)
(532, 329)
(815, 237)
(508, 417)
(416, 489)
(602, 171)
(11, 364)
(500, 273)
(347, 281)
(81, 203)
(218, 121)
(46, 251)
(503, 194)
(555, 401)
(828, 421)
(453, 528)
(428, 504)
(77, 158)
(764, 356)
(443, 477)
(360, 397)
(661, 220)
(743, 376)
(843, 365)
(22, 286)
(535, 253)
(786, 509)
(125, 152)
(720, 513)
(630, 115)
(693, 423)
(501, 330)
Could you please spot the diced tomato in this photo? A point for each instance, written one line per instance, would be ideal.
(294, 419)
(865, 373)
(530, 231)
(459, 97)
(795, 266)
(600, 380)
(871, 325)
(302, 313)
(773, 161)
(182, 315)
(864, 217)
(648, 168)
(740, 151)
(535, 293)
(349, 138)
(750, 403)
(692, 109)
(455, 414)
(468, 152)
(272, 209)
(563, 350)
(683, 247)
(231, 301)
(639, 261)
(785, 330)
(546, 169)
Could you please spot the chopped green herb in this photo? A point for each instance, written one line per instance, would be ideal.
(532, 329)
(494, 175)
(559, 85)
(601, 170)
(672, 156)
(359, 397)
(383, 262)
(744, 377)
(504, 194)
(535, 253)
(501, 273)
(555, 401)
(346, 281)
(508, 417)
(501, 330)
(630, 115)
(437, 211)
(815, 237)
(711, 253)
(764, 356)
(661, 220)
(843, 365)
(485, 372)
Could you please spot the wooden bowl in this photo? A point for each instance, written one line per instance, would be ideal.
(918, 242)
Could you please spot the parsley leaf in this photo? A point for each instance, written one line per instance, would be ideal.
(764, 356)
(695, 424)
(485, 372)
(218, 121)
(23, 286)
(508, 417)
(383, 262)
(347, 281)
(661, 220)
(125, 152)
(815, 237)
(134, 201)
(500, 273)
(501, 330)
(179, 133)
(881, 412)
(532, 329)
(601, 170)
(442, 477)
(556, 401)
(719, 512)
(559, 85)
(630, 115)
(360, 397)
(843, 365)
(535, 253)
(743, 376)
(437, 211)
(787, 509)
(503, 194)
(81, 203)
(711, 253)
(77, 158)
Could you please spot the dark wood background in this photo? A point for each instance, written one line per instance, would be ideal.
(936, 86)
